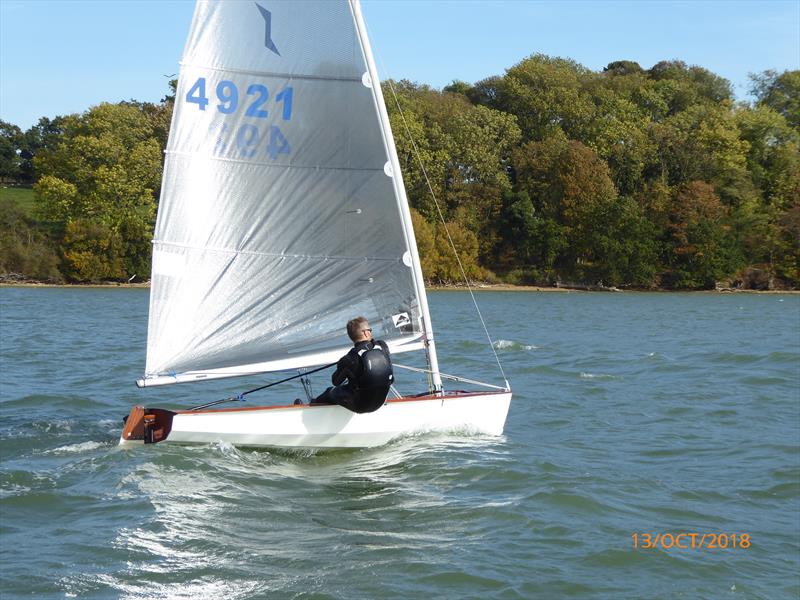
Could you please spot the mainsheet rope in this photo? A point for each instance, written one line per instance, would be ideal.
(241, 397)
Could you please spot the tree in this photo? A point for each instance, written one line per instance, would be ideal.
(786, 260)
(773, 162)
(622, 67)
(532, 242)
(481, 141)
(466, 245)
(617, 132)
(683, 86)
(45, 135)
(625, 244)
(546, 94)
(484, 92)
(426, 245)
(99, 179)
(568, 184)
(699, 246)
(773, 150)
(703, 143)
(10, 147)
(93, 251)
(780, 92)
(420, 144)
(457, 87)
(24, 248)
(439, 262)
(465, 150)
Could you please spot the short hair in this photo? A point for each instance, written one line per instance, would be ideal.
(354, 327)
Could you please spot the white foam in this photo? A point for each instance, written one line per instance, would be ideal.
(596, 376)
(508, 344)
(226, 449)
(13, 490)
(74, 448)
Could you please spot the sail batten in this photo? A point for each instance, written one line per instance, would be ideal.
(272, 164)
(351, 79)
(320, 257)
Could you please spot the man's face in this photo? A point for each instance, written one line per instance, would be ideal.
(366, 332)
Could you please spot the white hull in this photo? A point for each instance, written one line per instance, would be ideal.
(325, 426)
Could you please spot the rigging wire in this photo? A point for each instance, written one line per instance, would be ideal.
(452, 377)
(444, 224)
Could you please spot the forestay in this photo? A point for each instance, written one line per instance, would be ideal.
(280, 215)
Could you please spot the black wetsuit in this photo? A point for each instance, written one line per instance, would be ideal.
(346, 378)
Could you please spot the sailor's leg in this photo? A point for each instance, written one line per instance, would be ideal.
(342, 396)
(324, 398)
(371, 399)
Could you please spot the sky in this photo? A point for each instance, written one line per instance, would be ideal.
(64, 56)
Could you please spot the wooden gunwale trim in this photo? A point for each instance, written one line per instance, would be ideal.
(454, 396)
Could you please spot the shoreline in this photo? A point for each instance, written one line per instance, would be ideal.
(481, 287)
(506, 287)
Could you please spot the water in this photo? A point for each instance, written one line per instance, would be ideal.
(632, 414)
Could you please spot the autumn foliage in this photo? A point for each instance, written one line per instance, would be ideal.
(547, 173)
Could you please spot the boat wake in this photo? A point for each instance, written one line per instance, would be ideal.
(77, 448)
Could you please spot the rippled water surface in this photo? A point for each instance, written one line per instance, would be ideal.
(632, 414)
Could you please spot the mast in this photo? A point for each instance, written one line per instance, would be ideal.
(400, 194)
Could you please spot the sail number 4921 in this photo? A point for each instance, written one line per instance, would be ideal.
(255, 102)
(228, 98)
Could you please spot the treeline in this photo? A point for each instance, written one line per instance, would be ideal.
(629, 177)
(549, 173)
(96, 179)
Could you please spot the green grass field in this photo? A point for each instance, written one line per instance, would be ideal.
(22, 197)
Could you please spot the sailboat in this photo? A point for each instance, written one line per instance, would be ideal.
(283, 214)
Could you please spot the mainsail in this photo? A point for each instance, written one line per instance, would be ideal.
(282, 213)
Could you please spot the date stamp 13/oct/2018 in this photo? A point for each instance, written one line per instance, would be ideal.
(690, 541)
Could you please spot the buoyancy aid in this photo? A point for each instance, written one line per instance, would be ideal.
(376, 368)
(375, 378)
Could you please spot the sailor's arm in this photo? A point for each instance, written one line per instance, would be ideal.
(344, 370)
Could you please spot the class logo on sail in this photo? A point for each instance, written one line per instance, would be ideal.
(401, 319)
(270, 45)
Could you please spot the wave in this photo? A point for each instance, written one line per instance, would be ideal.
(52, 402)
(76, 448)
(657, 357)
(733, 358)
(600, 376)
(513, 346)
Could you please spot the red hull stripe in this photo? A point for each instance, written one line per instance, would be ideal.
(454, 396)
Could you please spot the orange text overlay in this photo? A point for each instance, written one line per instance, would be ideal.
(686, 541)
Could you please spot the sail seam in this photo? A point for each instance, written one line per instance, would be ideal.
(271, 164)
(289, 76)
(275, 255)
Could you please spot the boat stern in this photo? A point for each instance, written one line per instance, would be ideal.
(146, 426)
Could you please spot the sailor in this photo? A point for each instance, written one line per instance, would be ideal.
(363, 375)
